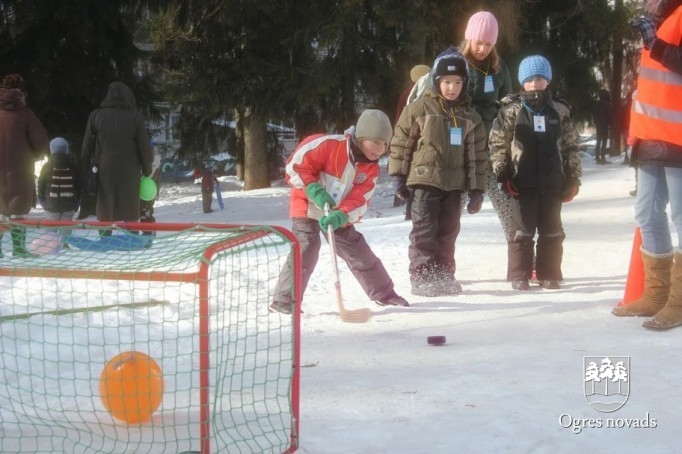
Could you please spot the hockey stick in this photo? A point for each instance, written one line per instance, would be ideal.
(348, 316)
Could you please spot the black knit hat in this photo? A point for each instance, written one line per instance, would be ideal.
(451, 66)
(450, 62)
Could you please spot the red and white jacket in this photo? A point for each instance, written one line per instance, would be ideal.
(328, 160)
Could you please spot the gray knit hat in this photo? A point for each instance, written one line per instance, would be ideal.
(374, 124)
(59, 145)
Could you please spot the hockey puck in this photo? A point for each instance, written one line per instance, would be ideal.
(435, 340)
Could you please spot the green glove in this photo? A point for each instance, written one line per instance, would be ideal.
(336, 219)
(318, 195)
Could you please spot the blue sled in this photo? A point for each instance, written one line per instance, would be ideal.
(111, 243)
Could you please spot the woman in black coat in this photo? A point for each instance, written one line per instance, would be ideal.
(122, 153)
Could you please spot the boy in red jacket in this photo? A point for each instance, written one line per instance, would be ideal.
(208, 182)
(340, 170)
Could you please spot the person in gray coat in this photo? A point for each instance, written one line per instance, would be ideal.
(122, 153)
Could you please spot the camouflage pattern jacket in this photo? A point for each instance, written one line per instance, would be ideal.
(534, 142)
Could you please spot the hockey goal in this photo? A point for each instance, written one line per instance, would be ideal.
(192, 297)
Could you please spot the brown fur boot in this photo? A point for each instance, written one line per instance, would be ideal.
(656, 286)
(671, 315)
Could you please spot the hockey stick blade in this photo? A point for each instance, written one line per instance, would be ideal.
(355, 315)
(346, 315)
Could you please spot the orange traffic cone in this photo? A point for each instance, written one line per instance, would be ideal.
(634, 287)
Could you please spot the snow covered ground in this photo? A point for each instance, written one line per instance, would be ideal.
(511, 376)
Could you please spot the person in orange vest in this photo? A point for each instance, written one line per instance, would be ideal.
(656, 133)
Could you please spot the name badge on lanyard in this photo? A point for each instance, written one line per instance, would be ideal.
(336, 191)
(488, 86)
(539, 123)
(455, 135)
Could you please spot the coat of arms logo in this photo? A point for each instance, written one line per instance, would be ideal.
(606, 382)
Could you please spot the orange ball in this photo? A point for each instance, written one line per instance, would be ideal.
(131, 387)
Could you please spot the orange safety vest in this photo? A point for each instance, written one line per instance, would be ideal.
(657, 104)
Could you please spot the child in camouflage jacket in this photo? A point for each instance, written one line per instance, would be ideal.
(535, 158)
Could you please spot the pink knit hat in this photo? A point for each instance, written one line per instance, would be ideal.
(482, 26)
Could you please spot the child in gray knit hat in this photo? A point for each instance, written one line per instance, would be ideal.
(339, 172)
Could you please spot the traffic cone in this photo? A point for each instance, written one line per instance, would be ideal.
(634, 287)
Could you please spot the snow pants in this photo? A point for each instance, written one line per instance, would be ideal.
(436, 224)
(206, 199)
(541, 213)
(351, 246)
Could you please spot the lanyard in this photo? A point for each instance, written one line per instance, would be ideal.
(523, 103)
(485, 73)
(450, 113)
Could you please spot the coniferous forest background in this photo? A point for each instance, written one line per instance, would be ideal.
(312, 66)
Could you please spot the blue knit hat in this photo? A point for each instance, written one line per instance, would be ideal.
(535, 65)
(59, 145)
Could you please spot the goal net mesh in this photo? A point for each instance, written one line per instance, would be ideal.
(193, 298)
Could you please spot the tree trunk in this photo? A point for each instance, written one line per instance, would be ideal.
(239, 145)
(255, 153)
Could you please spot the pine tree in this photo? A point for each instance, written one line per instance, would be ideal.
(68, 52)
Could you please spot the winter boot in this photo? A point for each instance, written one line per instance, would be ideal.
(283, 307)
(19, 243)
(656, 287)
(520, 284)
(448, 285)
(393, 299)
(520, 258)
(424, 287)
(147, 218)
(671, 315)
(551, 284)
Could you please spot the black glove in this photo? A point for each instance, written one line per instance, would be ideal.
(570, 190)
(400, 187)
(647, 28)
(475, 201)
(504, 183)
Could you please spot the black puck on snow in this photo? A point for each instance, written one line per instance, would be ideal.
(436, 340)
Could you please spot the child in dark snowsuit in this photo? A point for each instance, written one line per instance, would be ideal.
(147, 206)
(208, 182)
(59, 187)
